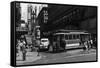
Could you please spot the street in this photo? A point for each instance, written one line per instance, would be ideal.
(76, 55)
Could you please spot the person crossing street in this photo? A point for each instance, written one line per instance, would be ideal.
(23, 48)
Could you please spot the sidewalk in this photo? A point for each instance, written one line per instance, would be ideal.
(30, 57)
(81, 51)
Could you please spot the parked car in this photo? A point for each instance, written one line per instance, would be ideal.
(44, 44)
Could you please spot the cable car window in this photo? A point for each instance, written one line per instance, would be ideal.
(66, 37)
(77, 36)
(70, 36)
(73, 36)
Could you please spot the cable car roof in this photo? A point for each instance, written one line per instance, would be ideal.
(71, 33)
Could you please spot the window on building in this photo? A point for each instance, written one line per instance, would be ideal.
(45, 16)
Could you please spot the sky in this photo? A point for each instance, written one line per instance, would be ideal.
(24, 9)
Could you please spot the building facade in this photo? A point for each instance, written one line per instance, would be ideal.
(68, 17)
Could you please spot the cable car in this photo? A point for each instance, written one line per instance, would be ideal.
(67, 39)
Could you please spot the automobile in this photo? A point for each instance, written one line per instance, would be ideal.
(44, 44)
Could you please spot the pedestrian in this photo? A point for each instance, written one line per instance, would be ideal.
(38, 51)
(54, 46)
(86, 45)
(18, 47)
(23, 49)
(95, 42)
(81, 42)
(38, 47)
(89, 44)
(63, 43)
